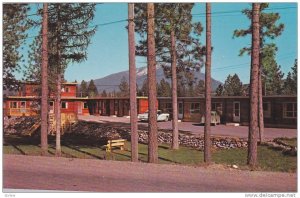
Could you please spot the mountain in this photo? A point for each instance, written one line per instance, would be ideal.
(112, 81)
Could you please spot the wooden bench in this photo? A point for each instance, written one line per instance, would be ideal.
(115, 143)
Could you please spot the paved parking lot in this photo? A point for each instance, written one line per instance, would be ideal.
(195, 128)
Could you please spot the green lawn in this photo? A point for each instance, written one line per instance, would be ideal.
(289, 141)
(268, 158)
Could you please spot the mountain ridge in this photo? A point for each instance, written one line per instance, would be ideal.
(111, 82)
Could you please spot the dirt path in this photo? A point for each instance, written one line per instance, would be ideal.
(65, 174)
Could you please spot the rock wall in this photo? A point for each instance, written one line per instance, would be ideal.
(100, 133)
(195, 141)
(17, 125)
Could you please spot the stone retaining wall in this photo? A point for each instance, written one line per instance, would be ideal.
(195, 141)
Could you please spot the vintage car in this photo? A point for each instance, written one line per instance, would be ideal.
(215, 118)
(160, 116)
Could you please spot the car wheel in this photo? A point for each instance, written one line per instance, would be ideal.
(167, 119)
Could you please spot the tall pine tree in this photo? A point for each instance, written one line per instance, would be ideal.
(254, 72)
(290, 83)
(83, 89)
(92, 89)
(177, 46)
(124, 87)
(69, 36)
(268, 29)
(232, 86)
(164, 88)
(15, 24)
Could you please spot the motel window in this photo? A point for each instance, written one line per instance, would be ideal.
(67, 89)
(13, 105)
(64, 105)
(290, 110)
(85, 105)
(23, 104)
(195, 108)
(267, 109)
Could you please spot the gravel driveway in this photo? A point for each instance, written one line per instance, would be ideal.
(65, 174)
(195, 128)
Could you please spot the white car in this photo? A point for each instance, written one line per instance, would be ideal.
(160, 116)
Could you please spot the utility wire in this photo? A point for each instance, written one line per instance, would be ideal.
(200, 14)
(239, 11)
(136, 19)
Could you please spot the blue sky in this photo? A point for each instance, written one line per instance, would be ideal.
(108, 52)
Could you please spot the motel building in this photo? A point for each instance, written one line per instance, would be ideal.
(27, 103)
(279, 111)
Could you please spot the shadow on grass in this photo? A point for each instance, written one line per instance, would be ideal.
(163, 147)
(198, 124)
(289, 152)
(143, 154)
(64, 153)
(84, 152)
(18, 149)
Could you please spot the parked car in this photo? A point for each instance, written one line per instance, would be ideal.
(160, 116)
(215, 118)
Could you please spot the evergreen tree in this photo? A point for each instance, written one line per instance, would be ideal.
(151, 65)
(181, 88)
(164, 88)
(253, 116)
(190, 90)
(104, 94)
(32, 71)
(177, 46)
(290, 84)
(273, 77)
(177, 18)
(233, 86)
(15, 24)
(44, 83)
(207, 129)
(69, 34)
(92, 89)
(268, 29)
(83, 90)
(144, 89)
(124, 87)
(199, 89)
(219, 90)
(132, 85)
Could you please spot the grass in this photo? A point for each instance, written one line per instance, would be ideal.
(268, 159)
(289, 141)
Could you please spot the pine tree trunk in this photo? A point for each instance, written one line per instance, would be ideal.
(253, 125)
(260, 107)
(207, 128)
(175, 143)
(58, 91)
(261, 125)
(152, 144)
(44, 102)
(132, 85)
